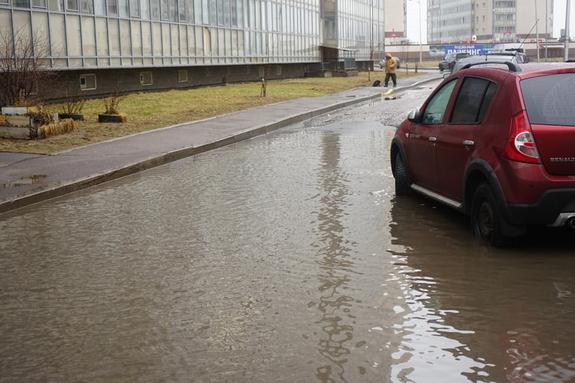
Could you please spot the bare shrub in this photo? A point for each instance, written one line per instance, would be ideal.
(41, 116)
(112, 103)
(23, 65)
(74, 104)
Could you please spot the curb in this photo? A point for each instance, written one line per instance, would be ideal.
(83, 183)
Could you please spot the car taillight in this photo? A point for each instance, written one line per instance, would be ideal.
(521, 144)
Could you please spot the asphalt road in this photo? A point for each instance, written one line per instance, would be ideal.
(285, 258)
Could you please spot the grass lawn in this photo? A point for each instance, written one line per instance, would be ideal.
(153, 110)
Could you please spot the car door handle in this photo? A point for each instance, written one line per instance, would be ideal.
(468, 143)
(432, 139)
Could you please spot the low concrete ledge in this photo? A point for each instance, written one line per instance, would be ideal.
(17, 132)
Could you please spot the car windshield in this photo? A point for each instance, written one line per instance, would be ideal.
(550, 100)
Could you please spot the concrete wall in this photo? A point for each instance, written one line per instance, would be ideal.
(128, 80)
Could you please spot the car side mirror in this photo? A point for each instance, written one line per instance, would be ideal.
(414, 116)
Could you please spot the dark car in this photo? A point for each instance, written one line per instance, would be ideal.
(450, 59)
(496, 143)
(516, 58)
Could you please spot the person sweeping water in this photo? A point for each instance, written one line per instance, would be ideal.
(390, 67)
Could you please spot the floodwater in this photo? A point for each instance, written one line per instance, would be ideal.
(286, 258)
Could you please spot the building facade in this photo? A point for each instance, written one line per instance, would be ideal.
(395, 22)
(449, 20)
(353, 28)
(150, 44)
(361, 27)
(493, 21)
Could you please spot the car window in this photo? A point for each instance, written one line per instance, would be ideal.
(472, 101)
(436, 107)
(549, 99)
(491, 89)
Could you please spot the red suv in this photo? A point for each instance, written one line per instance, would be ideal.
(496, 143)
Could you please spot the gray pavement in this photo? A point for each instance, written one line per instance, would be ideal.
(27, 179)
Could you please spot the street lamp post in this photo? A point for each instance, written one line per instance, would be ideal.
(537, 31)
(420, 34)
(420, 42)
(370, 64)
(567, 29)
(546, 27)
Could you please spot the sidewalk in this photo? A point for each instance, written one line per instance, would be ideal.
(28, 178)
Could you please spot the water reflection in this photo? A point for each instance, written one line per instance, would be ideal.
(335, 263)
(481, 314)
(274, 260)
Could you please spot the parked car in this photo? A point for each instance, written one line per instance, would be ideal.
(450, 59)
(496, 143)
(397, 60)
(502, 57)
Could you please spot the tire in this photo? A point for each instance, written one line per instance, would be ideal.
(486, 220)
(402, 179)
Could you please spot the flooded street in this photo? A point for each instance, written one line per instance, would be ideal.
(286, 258)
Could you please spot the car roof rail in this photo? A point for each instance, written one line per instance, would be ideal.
(512, 67)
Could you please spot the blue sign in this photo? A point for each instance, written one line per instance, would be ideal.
(472, 49)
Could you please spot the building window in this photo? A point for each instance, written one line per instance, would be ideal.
(72, 5)
(56, 5)
(165, 7)
(37, 3)
(146, 78)
(4, 1)
(124, 8)
(86, 6)
(173, 10)
(183, 75)
(112, 7)
(135, 8)
(87, 81)
(155, 6)
(22, 3)
(100, 6)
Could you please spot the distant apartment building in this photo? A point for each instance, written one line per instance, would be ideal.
(456, 21)
(395, 21)
(449, 20)
(98, 46)
(526, 16)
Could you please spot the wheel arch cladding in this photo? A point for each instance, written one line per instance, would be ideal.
(396, 148)
(477, 173)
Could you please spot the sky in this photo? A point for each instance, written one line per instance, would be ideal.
(413, 18)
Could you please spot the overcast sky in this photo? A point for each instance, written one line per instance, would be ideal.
(413, 20)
